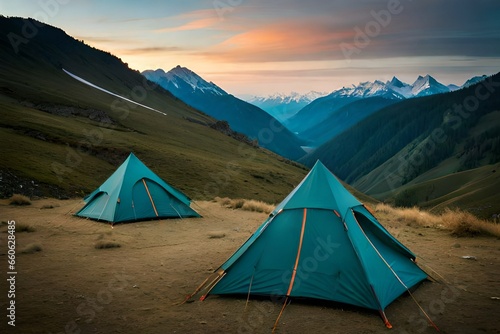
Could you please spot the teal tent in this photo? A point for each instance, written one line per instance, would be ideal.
(320, 242)
(132, 193)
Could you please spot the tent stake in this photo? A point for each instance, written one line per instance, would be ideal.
(196, 291)
(279, 315)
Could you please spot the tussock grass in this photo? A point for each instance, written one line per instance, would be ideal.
(411, 216)
(257, 206)
(31, 249)
(459, 223)
(464, 224)
(106, 244)
(245, 204)
(24, 228)
(18, 199)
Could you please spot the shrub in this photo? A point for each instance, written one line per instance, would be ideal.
(106, 244)
(24, 228)
(31, 249)
(18, 199)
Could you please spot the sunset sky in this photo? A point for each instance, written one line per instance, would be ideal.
(265, 46)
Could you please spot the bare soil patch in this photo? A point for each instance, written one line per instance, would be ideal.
(70, 286)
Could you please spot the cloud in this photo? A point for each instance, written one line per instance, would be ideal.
(322, 31)
(194, 20)
(150, 50)
(192, 25)
(93, 39)
(291, 40)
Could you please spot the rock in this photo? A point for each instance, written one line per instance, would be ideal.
(216, 235)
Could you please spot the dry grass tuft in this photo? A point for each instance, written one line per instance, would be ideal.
(411, 216)
(257, 206)
(245, 204)
(458, 222)
(24, 228)
(18, 199)
(106, 244)
(464, 224)
(31, 249)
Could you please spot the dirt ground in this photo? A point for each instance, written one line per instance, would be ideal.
(72, 287)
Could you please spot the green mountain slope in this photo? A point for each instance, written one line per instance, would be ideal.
(60, 136)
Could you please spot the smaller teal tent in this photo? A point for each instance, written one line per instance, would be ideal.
(133, 193)
(320, 242)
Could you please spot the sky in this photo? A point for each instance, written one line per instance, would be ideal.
(261, 47)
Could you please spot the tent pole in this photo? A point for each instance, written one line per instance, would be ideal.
(188, 297)
(212, 285)
(299, 249)
(150, 198)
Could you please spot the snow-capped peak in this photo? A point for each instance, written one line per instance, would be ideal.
(427, 86)
(284, 98)
(393, 89)
(180, 77)
(193, 79)
(474, 80)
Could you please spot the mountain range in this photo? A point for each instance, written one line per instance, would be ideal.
(326, 117)
(283, 106)
(423, 144)
(240, 115)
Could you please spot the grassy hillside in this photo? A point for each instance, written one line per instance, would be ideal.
(60, 136)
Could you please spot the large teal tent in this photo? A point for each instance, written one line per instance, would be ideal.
(132, 193)
(320, 242)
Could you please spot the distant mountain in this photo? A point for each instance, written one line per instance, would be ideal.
(241, 116)
(283, 106)
(393, 89)
(182, 79)
(427, 85)
(406, 145)
(474, 80)
(323, 118)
